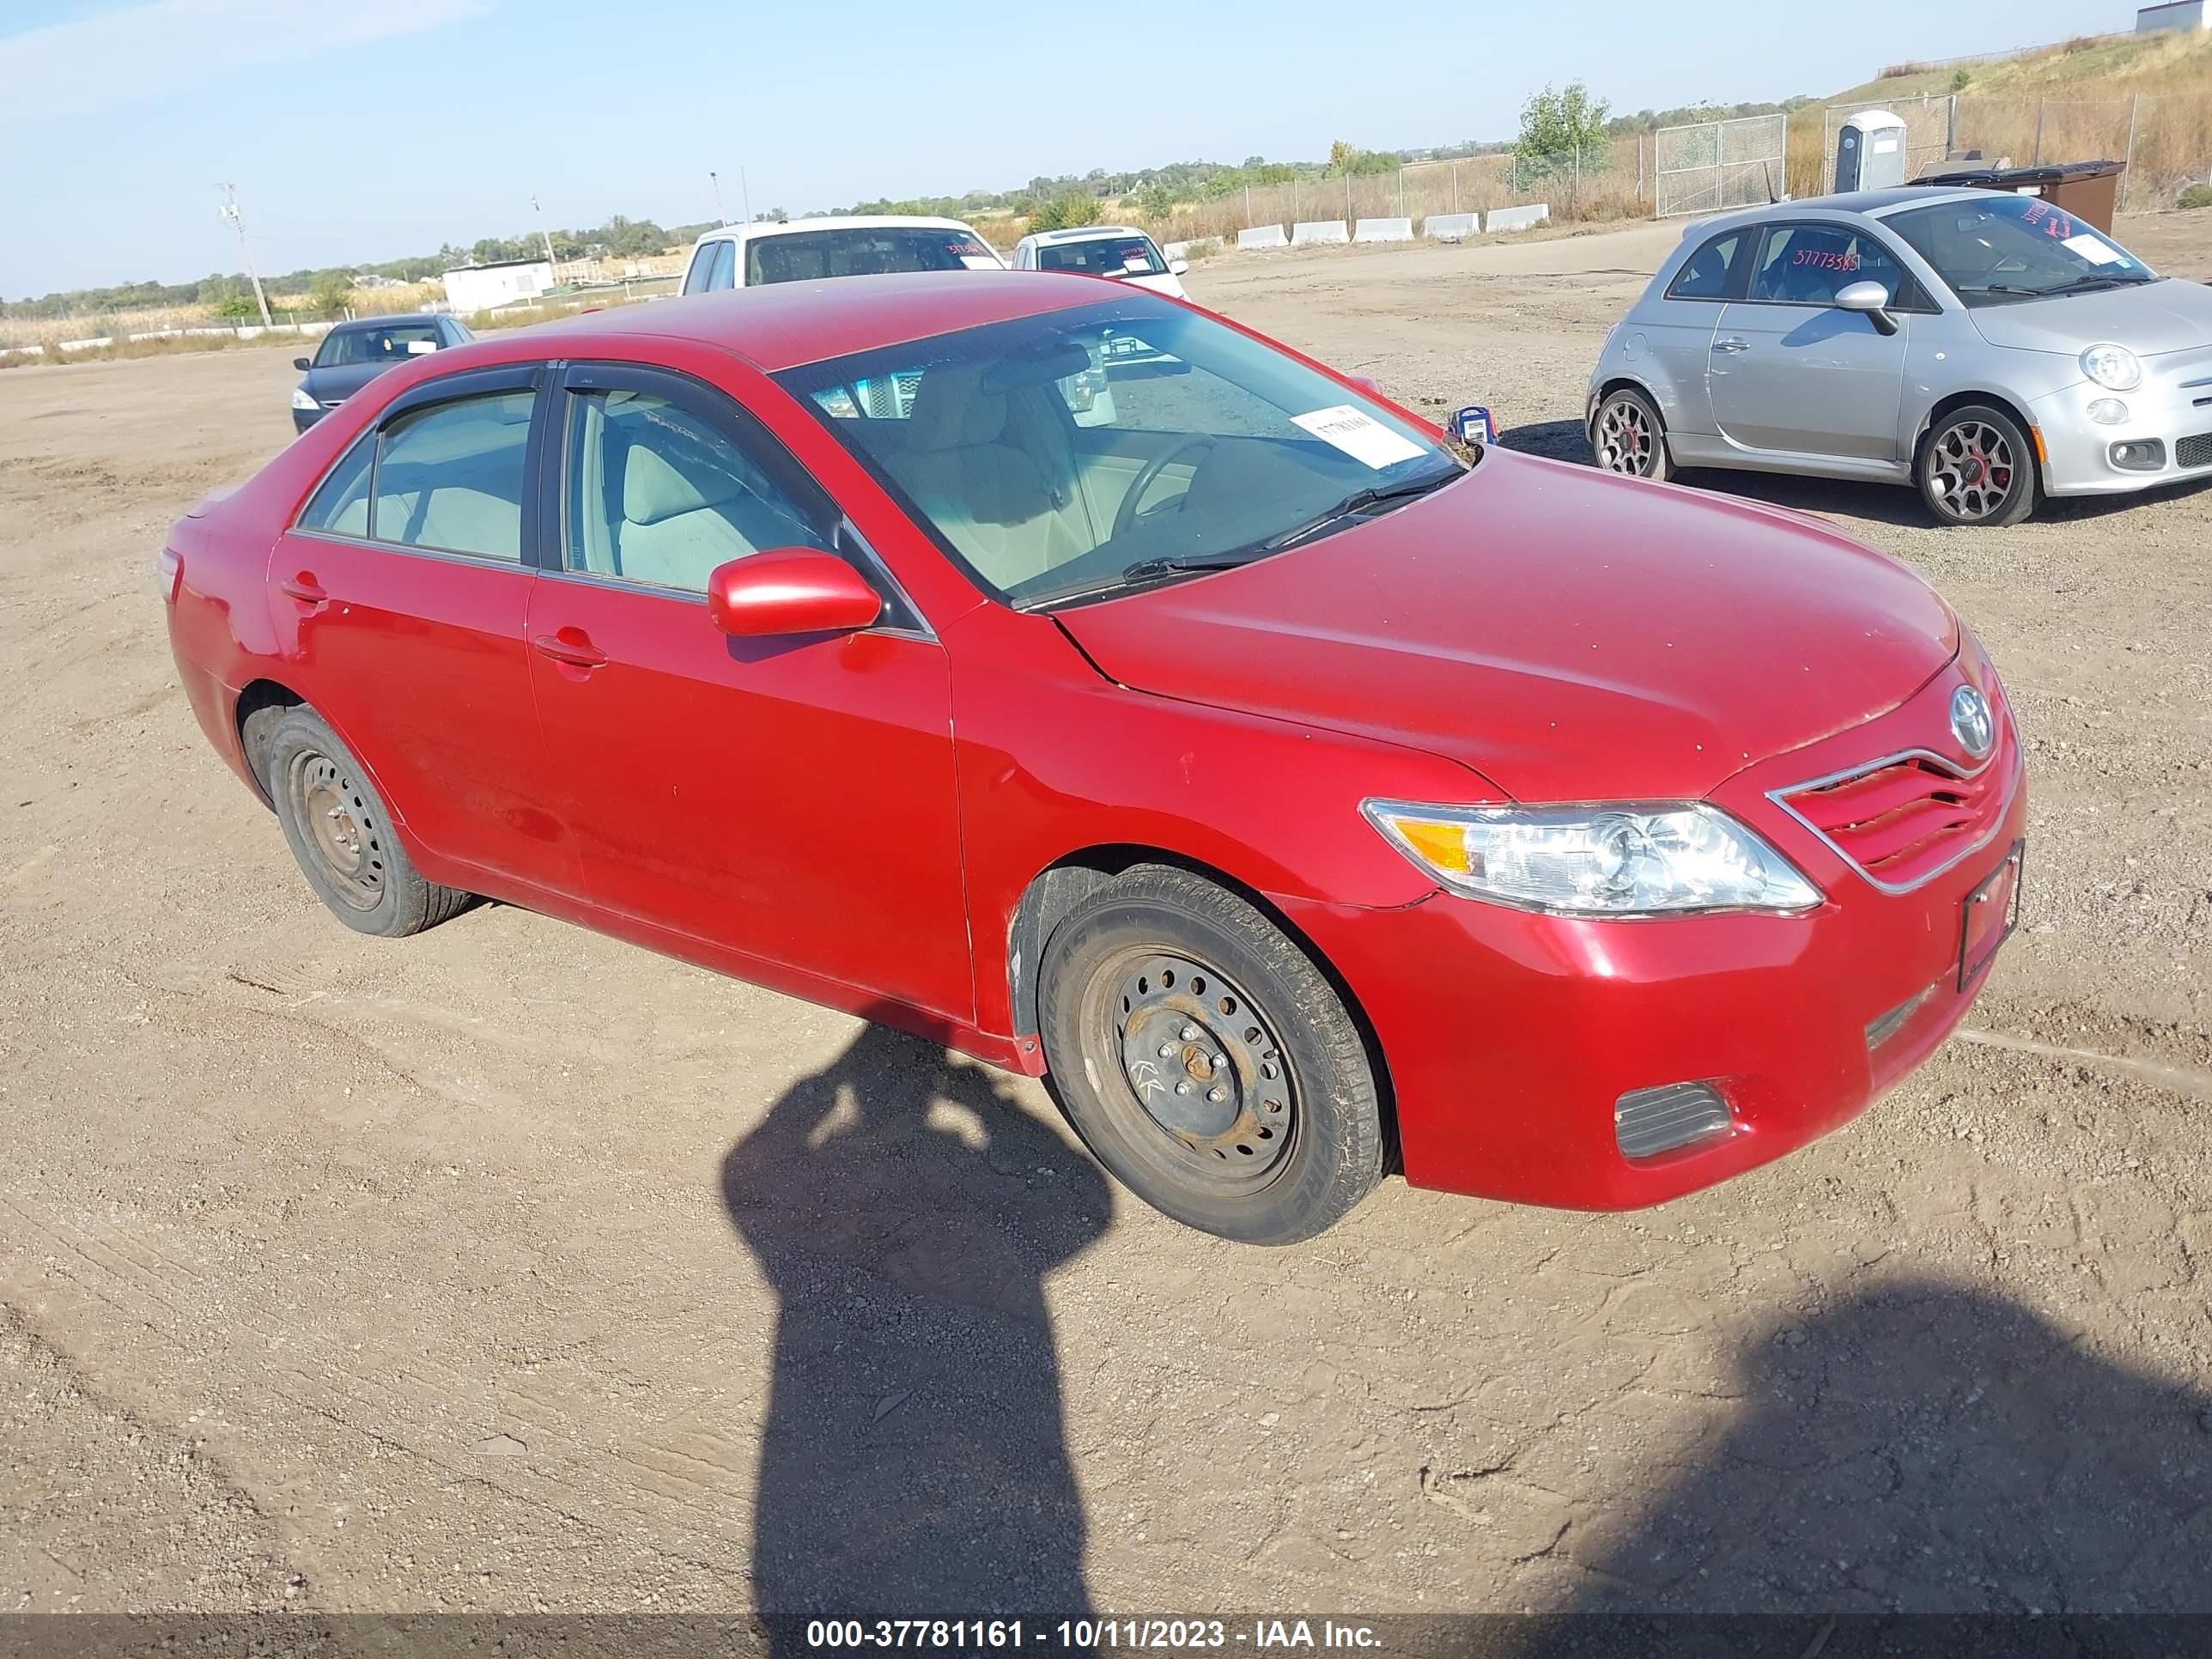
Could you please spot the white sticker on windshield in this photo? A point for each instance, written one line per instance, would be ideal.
(1138, 263)
(1359, 436)
(979, 262)
(2095, 249)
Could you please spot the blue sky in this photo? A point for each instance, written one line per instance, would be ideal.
(364, 129)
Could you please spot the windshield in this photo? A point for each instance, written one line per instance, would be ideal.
(1086, 450)
(392, 343)
(1104, 255)
(800, 255)
(2000, 250)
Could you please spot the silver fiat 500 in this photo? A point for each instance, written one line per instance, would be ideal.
(1983, 346)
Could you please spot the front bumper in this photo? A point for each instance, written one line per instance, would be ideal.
(1508, 1037)
(2078, 452)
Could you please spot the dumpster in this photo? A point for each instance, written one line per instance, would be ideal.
(2086, 190)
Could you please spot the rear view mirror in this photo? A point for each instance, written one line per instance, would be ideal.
(1871, 300)
(790, 590)
(302, 364)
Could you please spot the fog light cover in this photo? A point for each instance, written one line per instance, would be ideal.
(1648, 1121)
(2140, 455)
(2108, 411)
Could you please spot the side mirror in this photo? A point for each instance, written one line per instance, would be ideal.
(1365, 383)
(1178, 267)
(1870, 300)
(790, 590)
(302, 364)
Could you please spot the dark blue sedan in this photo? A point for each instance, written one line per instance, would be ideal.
(354, 354)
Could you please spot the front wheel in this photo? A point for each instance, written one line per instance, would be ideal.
(1206, 1061)
(1628, 437)
(1977, 467)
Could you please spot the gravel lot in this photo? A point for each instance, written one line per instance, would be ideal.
(513, 1268)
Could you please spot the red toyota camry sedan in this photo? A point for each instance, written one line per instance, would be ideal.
(1089, 684)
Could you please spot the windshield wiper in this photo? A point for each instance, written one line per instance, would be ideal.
(2095, 284)
(1358, 503)
(1146, 570)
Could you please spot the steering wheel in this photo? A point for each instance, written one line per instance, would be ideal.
(1147, 476)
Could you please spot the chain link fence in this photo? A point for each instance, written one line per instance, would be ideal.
(2165, 140)
(1709, 167)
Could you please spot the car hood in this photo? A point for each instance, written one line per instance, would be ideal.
(2169, 315)
(1569, 635)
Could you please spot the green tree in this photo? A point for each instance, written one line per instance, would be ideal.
(1556, 124)
(1065, 212)
(331, 294)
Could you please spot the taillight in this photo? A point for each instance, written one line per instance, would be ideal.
(171, 564)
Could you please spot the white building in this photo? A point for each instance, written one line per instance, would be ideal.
(480, 288)
(2181, 14)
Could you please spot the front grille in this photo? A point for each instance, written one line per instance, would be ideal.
(1648, 1121)
(1906, 820)
(2193, 451)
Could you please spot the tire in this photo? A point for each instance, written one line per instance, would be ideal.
(1976, 467)
(340, 831)
(1627, 436)
(1276, 1124)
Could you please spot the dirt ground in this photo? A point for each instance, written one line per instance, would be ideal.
(513, 1268)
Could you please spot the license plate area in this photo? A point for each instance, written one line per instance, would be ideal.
(1989, 914)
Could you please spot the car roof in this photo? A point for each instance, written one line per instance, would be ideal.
(389, 321)
(1871, 203)
(779, 326)
(761, 228)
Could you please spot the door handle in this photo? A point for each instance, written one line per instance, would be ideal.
(576, 653)
(305, 588)
(1731, 345)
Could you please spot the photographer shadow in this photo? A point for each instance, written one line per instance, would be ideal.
(907, 1210)
(1919, 1449)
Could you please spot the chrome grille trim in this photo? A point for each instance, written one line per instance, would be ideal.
(1963, 773)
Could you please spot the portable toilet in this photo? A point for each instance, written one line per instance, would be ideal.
(1870, 151)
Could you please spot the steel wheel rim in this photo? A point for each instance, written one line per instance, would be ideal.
(1218, 1109)
(1625, 440)
(340, 827)
(1972, 469)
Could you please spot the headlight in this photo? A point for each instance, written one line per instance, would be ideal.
(2112, 366)
(301, 400)
(1625, 861)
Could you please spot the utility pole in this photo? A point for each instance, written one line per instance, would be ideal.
(715, 179)
(230, 211)
(545, 235)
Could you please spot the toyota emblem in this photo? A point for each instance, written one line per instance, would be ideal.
(1972, 722)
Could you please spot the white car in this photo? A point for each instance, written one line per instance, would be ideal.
(1115, 251)
(775, 251)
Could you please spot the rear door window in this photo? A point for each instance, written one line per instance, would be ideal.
(1706, 275)
(450, 476)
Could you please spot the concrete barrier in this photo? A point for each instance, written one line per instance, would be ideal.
(1451, 227)
(1311, 232)
(1383, 230)
(1520, 218)
(1262, 236)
